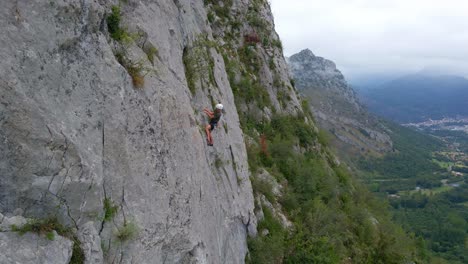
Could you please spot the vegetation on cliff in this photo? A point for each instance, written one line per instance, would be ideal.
(334, 218)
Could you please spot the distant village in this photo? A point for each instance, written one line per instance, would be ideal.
(453, 160)
(453, 124)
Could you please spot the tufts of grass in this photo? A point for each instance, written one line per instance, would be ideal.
(46, 227)
(78, 256)
(50, 236)
(110, 210)
(41, 227)
(127, 232)
(218, 163)
(136, 72)
(151, 51)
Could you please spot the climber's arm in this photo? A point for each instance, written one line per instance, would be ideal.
(208, 113)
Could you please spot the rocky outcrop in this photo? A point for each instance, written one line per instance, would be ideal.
(32, 249)
(336, 107)
(315, 72)
(106, 132)
(127, 167)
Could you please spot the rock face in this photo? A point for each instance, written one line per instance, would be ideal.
(335, 105)
(30, 247)
(75, 132)
(33, 249)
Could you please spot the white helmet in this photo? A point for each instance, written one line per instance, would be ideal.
(219, 106)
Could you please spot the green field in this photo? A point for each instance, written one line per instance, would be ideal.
(428, 191)
(443, 164)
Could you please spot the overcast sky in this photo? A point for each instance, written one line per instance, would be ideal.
(377, 36)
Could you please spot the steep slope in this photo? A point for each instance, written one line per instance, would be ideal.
(102, 141)
(335, 105)
(419, 97)
(127, 167)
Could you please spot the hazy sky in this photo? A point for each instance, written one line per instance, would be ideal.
(377, 36)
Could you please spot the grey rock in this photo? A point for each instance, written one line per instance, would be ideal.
(6, 223)
(336, 106)
(276, 187)
(91, 243)
(18, 212)
(34, 249)
(74, 131)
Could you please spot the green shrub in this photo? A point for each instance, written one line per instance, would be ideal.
(256, 21)
(293, 83)
(211, 17)
(222, 10)
(263, 187)
(113, 24)
(277, 43)
(270, 248)
(271, 64)
(249, 57)
(310, 249)
(323, 137)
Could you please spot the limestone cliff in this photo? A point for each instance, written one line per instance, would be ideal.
(101, 125)
(336, 107)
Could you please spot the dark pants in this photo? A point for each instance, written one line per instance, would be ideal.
(213, 125)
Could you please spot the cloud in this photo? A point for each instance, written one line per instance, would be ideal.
(378, 36)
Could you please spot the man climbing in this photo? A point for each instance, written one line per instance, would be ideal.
(214, 119)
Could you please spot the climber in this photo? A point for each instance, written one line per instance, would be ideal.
(214, 119)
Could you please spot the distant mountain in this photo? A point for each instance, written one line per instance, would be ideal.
(336, 107)
(419, 97)
(371, 81)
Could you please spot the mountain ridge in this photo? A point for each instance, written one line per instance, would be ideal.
(336, 105)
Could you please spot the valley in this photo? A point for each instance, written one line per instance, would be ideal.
(417, 164)
(425, 183)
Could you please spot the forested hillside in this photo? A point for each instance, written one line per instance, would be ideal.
(427, 198)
